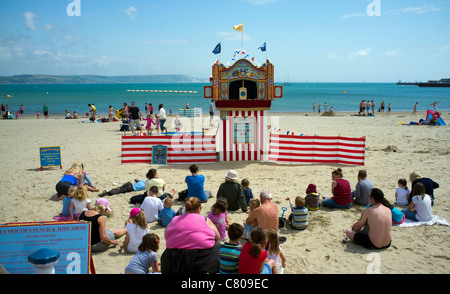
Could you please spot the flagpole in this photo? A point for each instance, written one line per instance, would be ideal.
(242, 37)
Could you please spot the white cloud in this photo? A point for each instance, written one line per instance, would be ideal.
(29, 19)
(41, 52)
(131, 12)
(359, 53)
(357, 14)
(416, 10)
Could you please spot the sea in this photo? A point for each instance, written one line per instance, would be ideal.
(297, 97)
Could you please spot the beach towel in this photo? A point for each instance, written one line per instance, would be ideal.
(436, 220)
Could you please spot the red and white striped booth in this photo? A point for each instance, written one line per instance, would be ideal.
(243, 93)
(181, 148)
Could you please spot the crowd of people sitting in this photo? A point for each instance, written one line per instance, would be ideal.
(211, 243)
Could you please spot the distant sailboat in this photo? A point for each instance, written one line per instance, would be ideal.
(287, 82)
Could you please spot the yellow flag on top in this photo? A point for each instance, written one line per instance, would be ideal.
(239, 27)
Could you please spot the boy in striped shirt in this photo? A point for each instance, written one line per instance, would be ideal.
(230, 251)
(299, 215)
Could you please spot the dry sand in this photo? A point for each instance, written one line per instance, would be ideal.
(393, 151)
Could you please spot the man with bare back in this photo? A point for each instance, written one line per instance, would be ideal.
(266, 215)
(377, 222)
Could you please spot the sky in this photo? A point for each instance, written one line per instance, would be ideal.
(314, 41)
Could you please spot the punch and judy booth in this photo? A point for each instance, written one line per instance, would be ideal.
(243, 93)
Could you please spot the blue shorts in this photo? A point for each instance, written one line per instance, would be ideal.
(266, 269)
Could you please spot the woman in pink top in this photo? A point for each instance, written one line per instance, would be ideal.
(191, 243)
(342, 193)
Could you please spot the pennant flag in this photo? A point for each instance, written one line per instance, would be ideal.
(239, 27)
(217, 49)
(263, 47)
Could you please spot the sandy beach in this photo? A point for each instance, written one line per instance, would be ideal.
(393, 151)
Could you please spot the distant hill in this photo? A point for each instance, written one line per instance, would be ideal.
(96, 79)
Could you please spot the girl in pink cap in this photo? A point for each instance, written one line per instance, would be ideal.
(136, 229)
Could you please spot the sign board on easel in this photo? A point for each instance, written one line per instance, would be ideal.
(71, 239)
(50, 156)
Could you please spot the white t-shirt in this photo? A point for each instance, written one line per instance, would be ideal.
(151, 207)
(135, 233)
(423, 208)
(80, 206)
(402, 196)
(162, 113)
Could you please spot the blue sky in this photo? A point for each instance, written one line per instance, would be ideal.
(321, 40)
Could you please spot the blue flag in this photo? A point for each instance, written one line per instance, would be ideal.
(263, 47)
(217, 49)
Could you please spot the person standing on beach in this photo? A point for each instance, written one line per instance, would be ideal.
(382, 106)
(93, 110)
(415, 108)
(135, 115)
(373, 108)
(45, 111)
(319, 105)
(377, 220)
(314, 107)
(434, 105)
(211, 112)
(162, 118)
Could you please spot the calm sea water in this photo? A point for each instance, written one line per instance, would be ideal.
(297, 97)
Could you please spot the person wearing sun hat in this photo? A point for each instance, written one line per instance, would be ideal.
(101, 236)
(233, 192)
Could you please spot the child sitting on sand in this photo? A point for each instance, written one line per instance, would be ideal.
(245, 183)
(137, 228)
(253, 203)
(253, 258)
(422, 204)
(218, 216)
(229, 251)
(312, 198)
(80, 202)
(146, 257)
(166, 215)
(67, 200)
(402, 192)
(274, 251)
(299, 215)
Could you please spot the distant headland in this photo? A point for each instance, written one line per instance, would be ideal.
(97, 79)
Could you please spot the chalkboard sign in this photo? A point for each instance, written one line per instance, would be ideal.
(50, 156)
(159, 154)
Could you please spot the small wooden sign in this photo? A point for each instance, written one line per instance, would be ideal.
(50, 156)
(159, 154)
